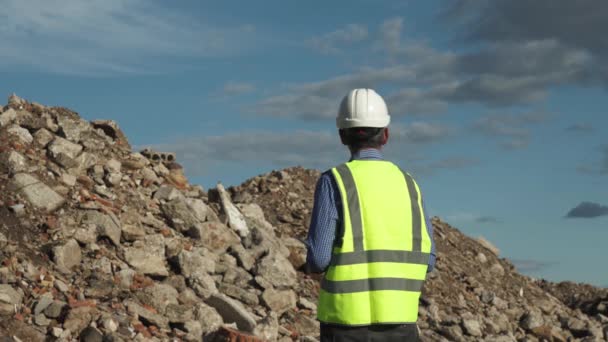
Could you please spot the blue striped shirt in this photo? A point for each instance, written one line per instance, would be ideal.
(326, 218)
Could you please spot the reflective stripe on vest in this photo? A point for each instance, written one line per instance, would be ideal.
(376, 275)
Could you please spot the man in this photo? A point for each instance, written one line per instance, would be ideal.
(369, 234)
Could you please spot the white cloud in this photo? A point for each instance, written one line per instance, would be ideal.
(101, 37)
(512, 129)
(332, 42)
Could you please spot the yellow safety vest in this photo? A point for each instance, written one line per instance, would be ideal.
(379, 264)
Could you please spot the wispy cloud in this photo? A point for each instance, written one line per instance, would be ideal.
(512, 129)
(332, 42)
(105, 37)
(588, 210)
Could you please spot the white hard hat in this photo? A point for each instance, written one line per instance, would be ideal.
(362, 108)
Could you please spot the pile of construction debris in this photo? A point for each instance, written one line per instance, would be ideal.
(98, 242)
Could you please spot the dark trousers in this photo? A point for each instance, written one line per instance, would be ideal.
(371, 333)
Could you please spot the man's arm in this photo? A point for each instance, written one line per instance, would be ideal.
(429, 229)
(323, 222)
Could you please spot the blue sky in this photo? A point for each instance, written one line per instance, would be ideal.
(497, 111)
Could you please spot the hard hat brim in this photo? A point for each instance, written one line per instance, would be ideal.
(344, 123)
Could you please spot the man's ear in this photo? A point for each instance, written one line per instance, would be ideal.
(385, 136)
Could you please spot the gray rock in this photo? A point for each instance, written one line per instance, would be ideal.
(36, 193)
(147, 316)
(9, 298)
(236, 220)
(232, 312)
(279, 301)
(79, 318)
(64, 152)
(307, 304)
(83, 162)
(188, 297)
(180, 215)
(216, 236)
(132, 232)
(277, 270)
(209, 318)
(148, 256)
(159, 296)
(531, 320)
(113, 166)
(472, 327)
(43, 302)
(176, 313)
(67, 255)
(13, 162)
(242, 294)
(68, 179)
(196, 261)
(86, 235)
(196, 266)
(243, 257)
(43, 137)
(21, 133)
(166, 192)
(107, 225)
(91, 334)
(194, 330)
(41, 320)
(72, 129)
(7, 117)
(55, 309)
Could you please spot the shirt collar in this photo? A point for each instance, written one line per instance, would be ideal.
(367, 153)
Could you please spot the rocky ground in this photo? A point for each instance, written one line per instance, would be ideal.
(101, 243)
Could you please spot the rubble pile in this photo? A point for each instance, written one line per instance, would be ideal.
(101, 243)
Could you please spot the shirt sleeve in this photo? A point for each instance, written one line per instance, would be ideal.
(429, 229)
(323, 225)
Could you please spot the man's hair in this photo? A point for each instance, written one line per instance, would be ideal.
(362, 137)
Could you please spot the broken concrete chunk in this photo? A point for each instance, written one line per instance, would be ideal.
(64, 152)
(9, 298)
(232, 312)
(279, 301)
(147, 316)
(236, 220)
(21, 133)
(108, 225)
(43, 137)
(148, 256)
(277, 270)
(68, 255)
(7, 117)
(36, 193)
(13, 162)
(71, 129)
